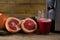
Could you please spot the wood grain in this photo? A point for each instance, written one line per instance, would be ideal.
(22, 8)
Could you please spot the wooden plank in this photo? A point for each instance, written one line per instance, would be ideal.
(21, 8)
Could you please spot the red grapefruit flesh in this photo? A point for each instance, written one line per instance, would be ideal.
(29, 25)
(13, 24)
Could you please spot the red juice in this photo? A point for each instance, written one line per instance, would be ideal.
(44, 25)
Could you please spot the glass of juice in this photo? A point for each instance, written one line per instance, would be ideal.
(44, 25)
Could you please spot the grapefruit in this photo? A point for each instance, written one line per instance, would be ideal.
(13, 25)
(28, 25)
(3, 19)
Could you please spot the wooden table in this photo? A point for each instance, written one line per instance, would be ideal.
(51, 36)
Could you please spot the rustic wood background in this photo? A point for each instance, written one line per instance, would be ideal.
(21, 8)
